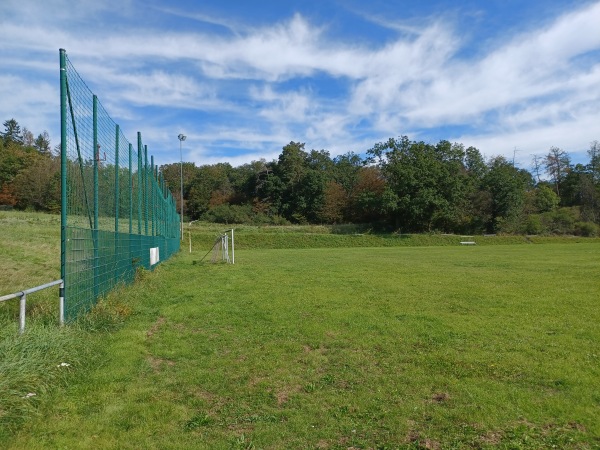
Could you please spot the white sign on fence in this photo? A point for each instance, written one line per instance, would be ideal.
(154, 256)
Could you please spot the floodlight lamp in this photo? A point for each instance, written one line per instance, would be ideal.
(181, 137)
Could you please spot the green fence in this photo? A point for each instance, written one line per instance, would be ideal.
(117, 214)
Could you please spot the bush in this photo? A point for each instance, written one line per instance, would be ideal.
(561, 221)
(587, 229)
(533, 225)
(240, 214)
(226, 213)
(279, 220)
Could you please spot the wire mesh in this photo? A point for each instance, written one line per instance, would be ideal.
(116, 205)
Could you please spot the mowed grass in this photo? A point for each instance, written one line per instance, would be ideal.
(428, 347)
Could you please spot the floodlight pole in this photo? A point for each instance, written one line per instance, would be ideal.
(181, 138)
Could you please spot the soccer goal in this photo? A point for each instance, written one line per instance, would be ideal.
(224, 248)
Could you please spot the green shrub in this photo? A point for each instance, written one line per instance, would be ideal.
(226, 213)
(279, 220)
(587, 229)
(561, 221)
(533, 225)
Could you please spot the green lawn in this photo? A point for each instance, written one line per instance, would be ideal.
(424, 347)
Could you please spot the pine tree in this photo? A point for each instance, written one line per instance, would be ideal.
(12, 132)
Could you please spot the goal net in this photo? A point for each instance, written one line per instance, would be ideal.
(223, 248)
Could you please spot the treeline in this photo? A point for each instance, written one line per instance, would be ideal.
(399, 185)
(29, 170)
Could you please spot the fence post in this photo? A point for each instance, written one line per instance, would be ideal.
(158, 202)
(139, 183)
(146, 190)
(117, 186)
(130, 182)
(63, 166)
(22, 308)
(61, 303)
(153, 213)
(96, 153)
(130, 190)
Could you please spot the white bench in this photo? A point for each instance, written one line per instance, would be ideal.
(467, 243)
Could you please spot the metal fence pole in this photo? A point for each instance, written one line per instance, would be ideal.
(138, 248)
(22, 313)
(61, 303)
(139, 183)
(153, 213)
(130, 189)
(63, 166)
(117, 256)
(96, 153)
(130, 183)
(146, 190)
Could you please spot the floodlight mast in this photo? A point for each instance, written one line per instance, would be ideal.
(181, 138)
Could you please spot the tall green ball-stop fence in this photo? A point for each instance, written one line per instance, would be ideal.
(117, 214)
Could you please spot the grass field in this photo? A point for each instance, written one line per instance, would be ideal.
(390, 347)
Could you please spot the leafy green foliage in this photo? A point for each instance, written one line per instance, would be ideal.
(29, 173)
(409, 186)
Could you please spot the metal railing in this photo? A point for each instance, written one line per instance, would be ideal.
(23, 306)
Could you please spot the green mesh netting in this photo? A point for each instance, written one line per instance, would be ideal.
(116, 207)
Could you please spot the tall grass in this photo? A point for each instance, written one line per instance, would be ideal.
(46, 356)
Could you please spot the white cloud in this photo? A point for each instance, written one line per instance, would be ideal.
(293, 106)
(34, 104)
(570, 135)
(257, 82)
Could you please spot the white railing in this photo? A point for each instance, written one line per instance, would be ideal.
(23, 296)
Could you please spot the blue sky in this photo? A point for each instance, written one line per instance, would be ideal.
(243, 78)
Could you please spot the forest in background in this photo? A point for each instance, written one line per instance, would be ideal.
(399, 185)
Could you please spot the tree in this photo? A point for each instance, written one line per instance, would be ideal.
(557, 164)
(42, 143)
(536, 166)
(475, 164)
(270, 193)
(545, 199)
(12, 132)
(245, 180)
(589, 195)
(334, 204)
(594, 165)
(477, 201)
(38, 185)
(304, 177)
(210, 187)
(506, 186)
(172, 175)
(429, 182)
(346, 168)
(28, 139)
(292, 163)
(13, 159)
(371, 199)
